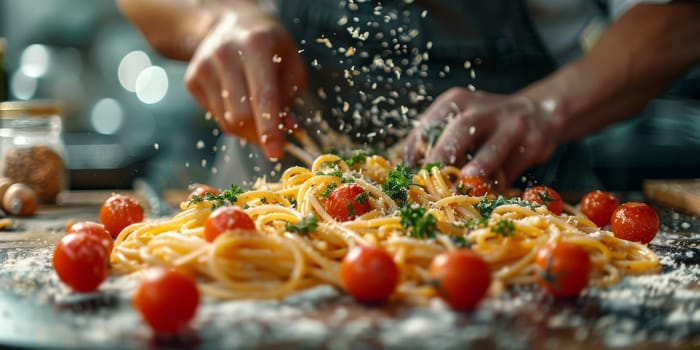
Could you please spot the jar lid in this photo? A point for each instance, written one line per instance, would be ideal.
(34, 108)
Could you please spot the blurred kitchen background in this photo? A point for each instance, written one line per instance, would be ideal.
(127, 115)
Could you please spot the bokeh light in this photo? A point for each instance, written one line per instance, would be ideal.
(107, 116)
(152, 85)
(130, 67)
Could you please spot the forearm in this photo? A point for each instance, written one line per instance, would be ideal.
(635, 59)
(175, 28)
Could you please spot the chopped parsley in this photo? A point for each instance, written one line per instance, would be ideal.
(227, 197)
(357, 157)
(305, 226)
(333, 164)
(486, 206)
(460, 241)
(504, 228)
(351, 210)
(362, 198)
(327, 191)
(293, 202)
(338, 173)
(430, 166)
(398, 180)
(418, 222)
(473, 224)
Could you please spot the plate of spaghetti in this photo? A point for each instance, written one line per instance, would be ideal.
(379, 232)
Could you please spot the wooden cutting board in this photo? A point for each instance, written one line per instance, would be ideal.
(680, 194)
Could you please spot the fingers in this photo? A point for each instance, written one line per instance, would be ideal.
(534, 150)
(202, 83)
(263, 85)
(493, 153)
(427, 131)
(238, 116)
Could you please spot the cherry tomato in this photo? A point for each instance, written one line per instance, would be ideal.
(81, 261)
(167, 300)
(201, 190)
(461, 278)
(120, 211)
(369, 274)
(599, 206)
(94, 229)
(224, 219)
(473, 186)
(635, 221)
(546, 196)
(563, 269)
(347, 202)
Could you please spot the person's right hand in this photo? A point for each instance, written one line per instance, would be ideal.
(246, 72)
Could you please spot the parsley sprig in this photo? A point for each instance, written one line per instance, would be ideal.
(418, 222)
(357, 157)
(429, 167)
(227, 197)
(398, 180)
(460, 242)
(486, 206)
(304, 226)
(327, 191)
(473, 224)
(505, 228)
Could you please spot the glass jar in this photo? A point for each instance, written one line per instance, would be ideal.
(31, 147)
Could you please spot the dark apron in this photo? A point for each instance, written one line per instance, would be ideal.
(495, 36)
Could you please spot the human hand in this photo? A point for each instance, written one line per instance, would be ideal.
(484, 133)
(246, 72)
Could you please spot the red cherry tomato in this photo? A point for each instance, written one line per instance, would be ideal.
(369, 274)
(472, 186)
(120, 211)
(546, 196)
(347, 202)
(599, 206)
(201, 190)
(167, 300)
(461, 278)
(635, 221)
(81, 261)
(94, 229)
(563, 269)
(224, 219)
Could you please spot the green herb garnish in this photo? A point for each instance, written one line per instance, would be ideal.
(338, 173)
(305, 226)
(430, 166)
(504, 228)
(227, 197)
(486, 206)
(357, 157)
(398, 180)
(327, 191)
(460, 241)
(473, 224)
(362, 198)
(418, 222)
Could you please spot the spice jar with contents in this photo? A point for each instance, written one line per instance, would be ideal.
(31, 148)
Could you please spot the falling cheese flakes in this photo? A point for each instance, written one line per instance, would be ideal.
(325, 41)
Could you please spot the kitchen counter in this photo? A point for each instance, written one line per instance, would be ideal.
(645, 312)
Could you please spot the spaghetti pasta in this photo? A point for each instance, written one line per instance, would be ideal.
(273, 261)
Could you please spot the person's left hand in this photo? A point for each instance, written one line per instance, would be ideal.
(485, 133)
